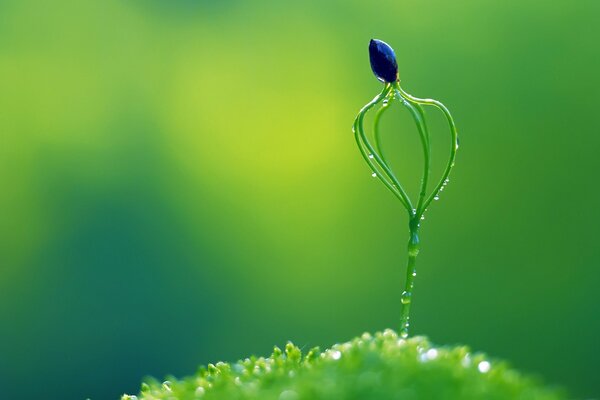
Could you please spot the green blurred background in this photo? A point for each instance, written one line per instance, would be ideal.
(180, 185)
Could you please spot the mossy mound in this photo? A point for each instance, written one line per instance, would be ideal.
(380, 366)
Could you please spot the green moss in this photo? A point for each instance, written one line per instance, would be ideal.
(382, 366)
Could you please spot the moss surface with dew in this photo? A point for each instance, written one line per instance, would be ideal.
(380, 366)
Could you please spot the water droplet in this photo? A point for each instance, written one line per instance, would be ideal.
(374, 175)
(484, 367)
(414, 274)
(422, 217)
(371, 156)
(429, 355)
(436, 197)
(199, 391)
(405, 298)
(336, 355)
(167, 386)
(442, 188)
(385, 102)
(446, 181)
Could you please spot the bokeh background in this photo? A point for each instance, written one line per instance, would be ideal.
(180, 185)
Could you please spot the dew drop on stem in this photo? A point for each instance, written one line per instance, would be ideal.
(405, 299)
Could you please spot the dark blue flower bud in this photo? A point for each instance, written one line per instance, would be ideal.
(383, 61)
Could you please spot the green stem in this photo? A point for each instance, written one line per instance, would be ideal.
(411, 273)
(377, 139)
(419, 117)
(454, 141)
(400, 190)
(378, 166)
(362, 147)
(376, 134)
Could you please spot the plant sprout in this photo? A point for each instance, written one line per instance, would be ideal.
(385, 68)
(381, 366)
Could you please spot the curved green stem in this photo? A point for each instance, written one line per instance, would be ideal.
(419, 117)
(454, 143)
(376, 134)
(377, 139)
(406, 200)
(376, 170)
(376, 163)
(422, 114)
(357, 127)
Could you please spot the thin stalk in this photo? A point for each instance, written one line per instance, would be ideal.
(422, 114)
(377, 161)
(364, 151)
(418, 116)
(411, 273)
(376, 134)
(454, 142)
(376, 170)
(407, 203)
